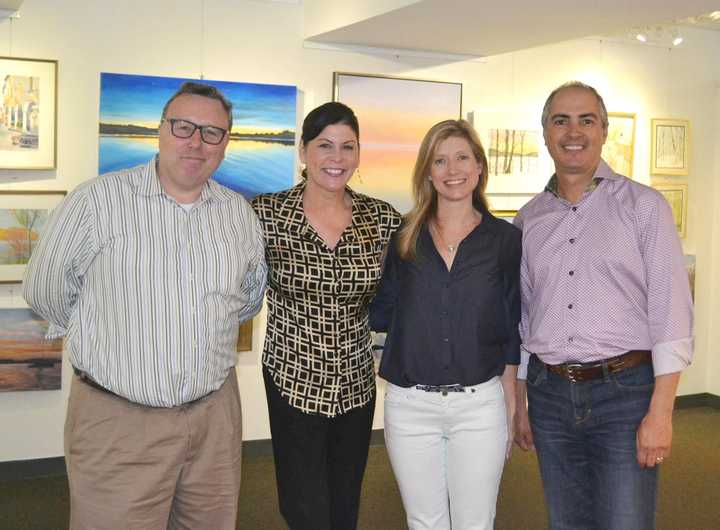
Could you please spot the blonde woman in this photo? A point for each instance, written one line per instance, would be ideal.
(449, 300)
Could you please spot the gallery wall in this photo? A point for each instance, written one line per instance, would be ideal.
(260, 41)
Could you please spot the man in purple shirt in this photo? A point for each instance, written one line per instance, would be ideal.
(606, 327)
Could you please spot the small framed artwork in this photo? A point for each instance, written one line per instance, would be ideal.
(690, 267)
(244, 342)
(620, 144)
(676, 196)
(28, 111)
(394, 114)
(670, 147)
(23, 215)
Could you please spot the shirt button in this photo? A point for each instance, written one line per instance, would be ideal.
(571, 273)
(570, 339)
(446, 339)
(574, 208)
(570, 306)
(572, 240)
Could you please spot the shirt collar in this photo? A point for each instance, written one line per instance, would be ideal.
(293, 216)
(603, 172)
(149, 185)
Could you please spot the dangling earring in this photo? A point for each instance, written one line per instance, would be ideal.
(430, 178)
(356, 175)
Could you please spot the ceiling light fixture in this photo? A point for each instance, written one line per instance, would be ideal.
(641, 37)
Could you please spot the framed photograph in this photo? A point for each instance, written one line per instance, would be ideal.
(260, 156)
(28, 111)
(244, 342)
(394, 115)
(620, 144)
(28, 361)
(23, 215)
(670, 147)
(690, 267)
(676, 196)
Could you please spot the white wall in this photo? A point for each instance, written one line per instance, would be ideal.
(262, 42)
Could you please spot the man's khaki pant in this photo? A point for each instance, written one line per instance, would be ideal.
(136, 467)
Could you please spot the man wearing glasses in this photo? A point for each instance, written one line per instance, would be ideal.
(148, 272)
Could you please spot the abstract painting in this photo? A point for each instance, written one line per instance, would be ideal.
(22, 217)
(27, 113)
(260, 156)
(28, 361)
(620, 144)
(670, 143)
(394, 115)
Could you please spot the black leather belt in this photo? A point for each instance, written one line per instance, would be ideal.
(579, 372)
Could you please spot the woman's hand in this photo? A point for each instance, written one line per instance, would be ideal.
(509, 382)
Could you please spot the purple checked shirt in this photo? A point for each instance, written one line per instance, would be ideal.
(604, 276)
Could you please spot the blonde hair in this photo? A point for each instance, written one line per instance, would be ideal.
(425, 206)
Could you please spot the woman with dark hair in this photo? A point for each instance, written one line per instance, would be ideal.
(449, 300)
(324, 249)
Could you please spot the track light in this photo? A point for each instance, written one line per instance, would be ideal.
(641, 37)
(677, 41)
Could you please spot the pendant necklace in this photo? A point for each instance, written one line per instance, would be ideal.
(451, 248)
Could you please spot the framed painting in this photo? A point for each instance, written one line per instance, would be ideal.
(28, 361)
(244, 342)
(676, 196)
(260, 156)
(507, 215)
(517, 161)
(620, 144)
(690, 268)
(28, 111)
(23, 215)
(670, 147)
(394, 115)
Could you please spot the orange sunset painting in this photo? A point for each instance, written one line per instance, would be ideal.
(394, 115)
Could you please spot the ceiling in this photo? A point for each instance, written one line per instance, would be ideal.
(483, 28)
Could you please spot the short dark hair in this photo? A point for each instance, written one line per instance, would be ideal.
(575, 84)
(331, 113)
(201, 89)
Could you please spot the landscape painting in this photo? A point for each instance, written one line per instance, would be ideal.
(512, 152)
(28, 361)
(23, 215)
(394, 115)
(670, 145)
(260, 156)
(620, 144)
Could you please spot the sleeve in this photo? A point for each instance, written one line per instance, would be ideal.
(382, 306)
(670, 307)
(253, 286)
(55, 273)
(513, 252)
(525, 291)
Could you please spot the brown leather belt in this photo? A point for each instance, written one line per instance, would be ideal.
(579, 372)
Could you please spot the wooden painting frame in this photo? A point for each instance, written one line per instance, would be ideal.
(670, 146)
(245, 336)
(13, 268)
(28, 113)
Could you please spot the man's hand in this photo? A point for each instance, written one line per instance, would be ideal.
(654, 436)
(523, 433)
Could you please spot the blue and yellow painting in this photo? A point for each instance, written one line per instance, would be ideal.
(260, 156)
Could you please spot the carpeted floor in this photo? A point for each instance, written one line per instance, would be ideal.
(689, 490)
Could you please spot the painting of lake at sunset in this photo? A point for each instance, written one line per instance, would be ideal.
(260, 156)
(27, 360)
(394, 115)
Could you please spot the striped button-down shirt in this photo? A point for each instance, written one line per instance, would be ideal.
(318, 346)
(148, 294)
(604, 276)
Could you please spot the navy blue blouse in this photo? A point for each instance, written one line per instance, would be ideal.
(451, 326)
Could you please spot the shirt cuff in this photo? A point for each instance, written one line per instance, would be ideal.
(673, 356)
(524, 360)
(55, 332)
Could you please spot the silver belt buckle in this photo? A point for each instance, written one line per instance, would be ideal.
(570, 370)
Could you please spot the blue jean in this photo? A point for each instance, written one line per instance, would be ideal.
(585, 439)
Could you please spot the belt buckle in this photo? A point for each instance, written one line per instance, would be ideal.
(572, 369)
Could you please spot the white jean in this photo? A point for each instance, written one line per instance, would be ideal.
(447, 453)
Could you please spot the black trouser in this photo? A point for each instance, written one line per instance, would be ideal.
(319, 462)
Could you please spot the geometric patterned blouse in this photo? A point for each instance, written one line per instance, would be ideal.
(317, 343)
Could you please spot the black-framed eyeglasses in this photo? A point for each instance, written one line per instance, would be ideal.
(185, 129)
